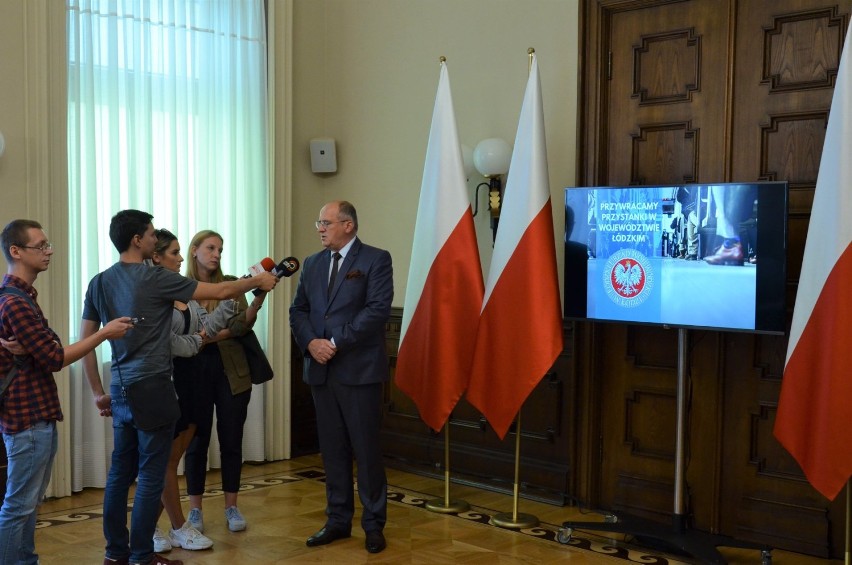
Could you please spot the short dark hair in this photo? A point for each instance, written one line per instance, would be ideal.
(126, 225)
(15, 233)
(346, 211)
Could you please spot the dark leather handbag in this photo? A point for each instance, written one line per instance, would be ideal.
(261, 370)
(153, 402)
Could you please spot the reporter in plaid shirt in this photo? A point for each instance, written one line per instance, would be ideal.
(30, 408)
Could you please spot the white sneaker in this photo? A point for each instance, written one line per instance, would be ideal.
(196, 519)
(161, 542)
(236, 522)
(189, 538)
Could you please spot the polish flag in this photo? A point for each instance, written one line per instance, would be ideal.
(520, 330)
(445, 286)
(812, 422)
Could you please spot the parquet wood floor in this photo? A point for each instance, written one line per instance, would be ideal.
(284, 504)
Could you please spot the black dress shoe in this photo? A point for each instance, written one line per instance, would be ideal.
(375, 541)
(326, 536)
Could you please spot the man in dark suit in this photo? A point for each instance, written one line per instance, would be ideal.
(338, 318)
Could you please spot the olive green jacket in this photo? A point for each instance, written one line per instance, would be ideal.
(232, 352)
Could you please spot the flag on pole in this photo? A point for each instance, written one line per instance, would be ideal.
(812, 422)
(520, 330)
(444, 293)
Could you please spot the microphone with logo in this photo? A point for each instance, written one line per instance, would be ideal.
(286, 268)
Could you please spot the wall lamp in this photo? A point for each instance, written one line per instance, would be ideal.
(491, 158)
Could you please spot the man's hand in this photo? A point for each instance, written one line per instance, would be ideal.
(12, 346)
(321, 350)
(104, 404)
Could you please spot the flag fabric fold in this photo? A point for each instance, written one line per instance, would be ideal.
(520, 328)
(812, 421)
(445, 287)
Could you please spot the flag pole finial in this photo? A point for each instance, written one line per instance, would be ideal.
(442, 59)
(530, 53)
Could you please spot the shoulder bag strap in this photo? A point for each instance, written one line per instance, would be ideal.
(20, 360)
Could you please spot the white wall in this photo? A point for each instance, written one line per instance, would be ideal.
(13, 172)
(365, 72)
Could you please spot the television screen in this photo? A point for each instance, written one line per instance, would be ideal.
(709, 256)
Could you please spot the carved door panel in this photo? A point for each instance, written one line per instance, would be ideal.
(667, 81)
(782, 96)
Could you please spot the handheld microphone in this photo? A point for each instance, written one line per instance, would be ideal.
(286, 268)
(266, 264)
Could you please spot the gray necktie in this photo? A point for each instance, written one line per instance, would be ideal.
(333, 276)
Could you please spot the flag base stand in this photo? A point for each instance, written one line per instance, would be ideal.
(678, 538)
(447, 507)
(514, 521)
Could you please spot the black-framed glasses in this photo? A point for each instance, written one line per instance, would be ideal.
(43, 247)
(326, 223)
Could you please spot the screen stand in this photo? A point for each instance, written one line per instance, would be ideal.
(679, 538)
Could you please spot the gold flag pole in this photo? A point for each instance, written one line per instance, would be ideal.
(515, 521)
(447, 506)
(848, 513)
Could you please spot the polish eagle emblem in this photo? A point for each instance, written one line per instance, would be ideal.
(628, 277)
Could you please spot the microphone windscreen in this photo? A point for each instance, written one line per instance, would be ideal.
(287, 267)
(266, 264)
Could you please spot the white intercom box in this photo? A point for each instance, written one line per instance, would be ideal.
(323, 155)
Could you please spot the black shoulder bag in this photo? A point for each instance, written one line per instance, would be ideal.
(20, 360)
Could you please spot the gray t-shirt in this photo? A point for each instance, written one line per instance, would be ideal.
(145, 293)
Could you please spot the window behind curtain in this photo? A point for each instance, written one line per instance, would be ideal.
(167, 113)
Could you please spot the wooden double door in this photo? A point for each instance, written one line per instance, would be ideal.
(704, 91)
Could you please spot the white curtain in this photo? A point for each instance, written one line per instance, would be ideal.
(167, 113)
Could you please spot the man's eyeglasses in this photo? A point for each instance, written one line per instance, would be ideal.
(43, 247)
(326, 223)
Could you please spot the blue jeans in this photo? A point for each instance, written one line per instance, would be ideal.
(30, 455)
(136, 454)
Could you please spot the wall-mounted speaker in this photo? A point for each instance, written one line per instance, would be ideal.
(323, 155)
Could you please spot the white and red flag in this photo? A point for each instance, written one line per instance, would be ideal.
(444, 293)
(813, 422)
(520, 330)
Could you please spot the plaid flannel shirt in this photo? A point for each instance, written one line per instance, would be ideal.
(32, 396)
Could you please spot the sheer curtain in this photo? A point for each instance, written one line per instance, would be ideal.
(167, 112)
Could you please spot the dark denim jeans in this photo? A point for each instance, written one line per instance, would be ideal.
(136, 455)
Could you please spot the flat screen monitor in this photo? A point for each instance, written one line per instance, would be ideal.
(710, 256)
